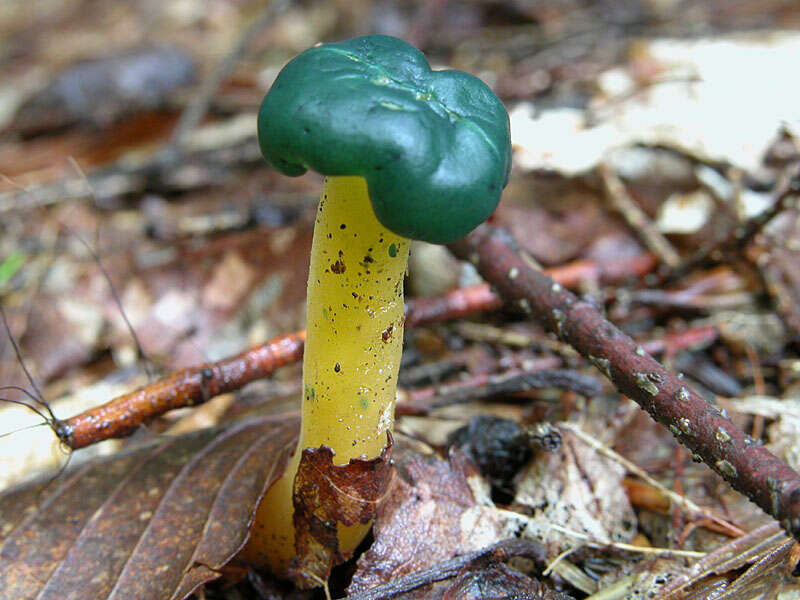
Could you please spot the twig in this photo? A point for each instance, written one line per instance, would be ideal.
(478, 298)
(123, 415)
(423, 400)
(691, 338)
(621, 201)
(712, 438)
(595, 543)
(453, 305)
(450, 568)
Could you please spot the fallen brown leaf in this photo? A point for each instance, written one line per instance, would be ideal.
(154, 522)
(756, 565)
(431, 515)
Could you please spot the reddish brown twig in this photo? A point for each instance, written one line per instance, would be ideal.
(478, 298)
(575, 273)
(714, 439)
(542, 374)
(123, 415)
(452, 305)
(672, 343)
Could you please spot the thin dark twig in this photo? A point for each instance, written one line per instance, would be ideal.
(788, 190)
(422, 400)
(21, 361)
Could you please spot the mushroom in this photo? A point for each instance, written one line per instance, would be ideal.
(408, 153)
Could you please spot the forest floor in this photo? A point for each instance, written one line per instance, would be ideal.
(655, 175)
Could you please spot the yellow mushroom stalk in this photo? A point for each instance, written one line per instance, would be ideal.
(354, 324)
(410, 153)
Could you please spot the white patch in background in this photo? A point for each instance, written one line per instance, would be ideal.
(720, 100)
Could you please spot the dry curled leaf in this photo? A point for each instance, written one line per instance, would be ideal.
(326, 495)
(154, 522)
(577, 489)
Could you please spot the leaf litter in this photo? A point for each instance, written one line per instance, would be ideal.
(178, 241)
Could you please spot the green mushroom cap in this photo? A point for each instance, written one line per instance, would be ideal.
(433, 146)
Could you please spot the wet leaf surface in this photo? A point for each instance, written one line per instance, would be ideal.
(153, 522)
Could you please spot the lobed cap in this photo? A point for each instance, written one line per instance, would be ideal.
(433, 146)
